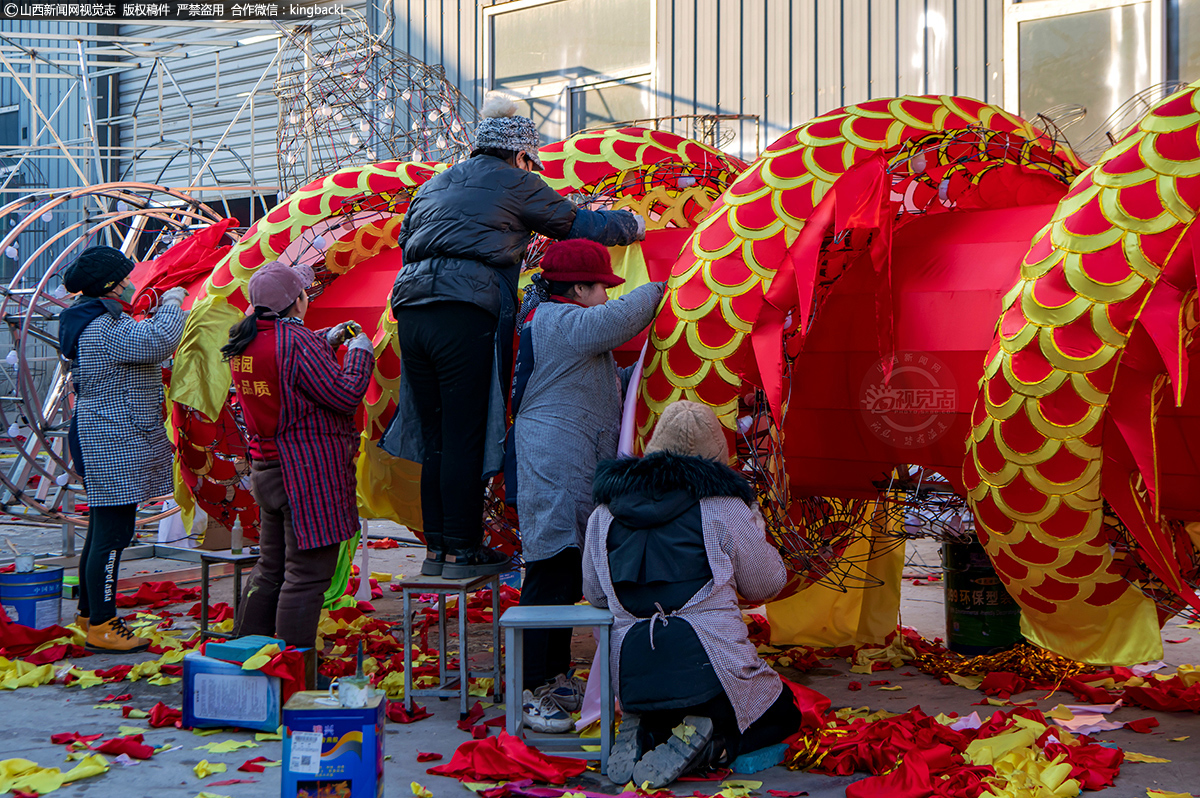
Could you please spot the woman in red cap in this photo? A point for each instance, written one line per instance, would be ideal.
(298, 405)
(567, 398)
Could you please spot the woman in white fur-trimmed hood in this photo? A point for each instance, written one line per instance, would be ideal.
(455, 303)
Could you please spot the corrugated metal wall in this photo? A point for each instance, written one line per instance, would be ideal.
(785, 61)
(189, 88)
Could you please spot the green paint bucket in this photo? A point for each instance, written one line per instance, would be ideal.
(981, 617)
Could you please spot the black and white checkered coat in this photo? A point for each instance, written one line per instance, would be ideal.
(118, 385)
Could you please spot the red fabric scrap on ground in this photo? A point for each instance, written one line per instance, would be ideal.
(386, 543)
(118, 698)
(20, 641)
(854, 686)
(1095, 766)
(216, 613)
(428, 756)
(55, 653)
(506, 758)
(787, 794)
(1167, 695)
(1142, 725)
(252, 766)
(227, 782)
(1003, 684)
(66, 738)
(288, 665)
(131, 745)
(474, 715)
(162, 715)
(116, 673)
(398, 714)
(158, 594)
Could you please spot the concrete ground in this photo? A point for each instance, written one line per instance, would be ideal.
(30, 716)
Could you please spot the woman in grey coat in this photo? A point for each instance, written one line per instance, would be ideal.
(567, 405)
(117, 439)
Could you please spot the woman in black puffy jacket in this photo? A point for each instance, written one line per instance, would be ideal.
(455, 302)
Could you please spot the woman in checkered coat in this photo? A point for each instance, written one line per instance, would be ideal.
(675, 539)
(117, 439)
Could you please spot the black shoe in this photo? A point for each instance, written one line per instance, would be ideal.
(478, 561)
(434, 561)
(688, 741)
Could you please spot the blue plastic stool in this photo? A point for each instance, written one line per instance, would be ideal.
(567, 616)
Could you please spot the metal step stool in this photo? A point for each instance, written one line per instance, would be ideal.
(555, 616)
(453, 686)
(238, 561)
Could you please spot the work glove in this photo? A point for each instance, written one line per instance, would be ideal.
(174, 296)
(337, 335)
(361, 341)
(641, 226)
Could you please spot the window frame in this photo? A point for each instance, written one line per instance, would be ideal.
(1016, 12)
(561, 90)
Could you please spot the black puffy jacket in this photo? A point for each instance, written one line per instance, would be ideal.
(467, 229)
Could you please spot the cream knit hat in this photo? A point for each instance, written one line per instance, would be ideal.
(690, 429)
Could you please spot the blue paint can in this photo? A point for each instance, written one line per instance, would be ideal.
(35, 598)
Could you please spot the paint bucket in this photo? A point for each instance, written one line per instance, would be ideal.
(981, 618)
(33, 599)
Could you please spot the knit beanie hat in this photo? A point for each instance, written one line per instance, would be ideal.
(578, 260)
(690, 429)
(276, 285)
(96, 271)
(501, 128)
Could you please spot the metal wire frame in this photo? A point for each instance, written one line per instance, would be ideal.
(1125, 550)
(338, 90)
(143, 217)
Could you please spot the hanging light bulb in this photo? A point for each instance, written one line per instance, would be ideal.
(416, 126)
(339, 116)
(456, 127)
(353, 139)
(319, 242)
(11, 358)
(11, 252)
(364, 126)
(292, 118)
(389, 113)
(918, 163)
(441, 142)
(59, 292)
(417, 155)
(382, 93)
(406, 95)
(291, 159)
(62, 479)
(370, 155)
(362, 85)
(47, 216)
(433, 115)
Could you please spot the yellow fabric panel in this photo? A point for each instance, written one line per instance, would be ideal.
(822, 615)
(199, 377)
(1090, 637)
(388, 487)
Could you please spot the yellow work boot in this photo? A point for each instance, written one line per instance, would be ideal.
(114, 637)
(82, 623)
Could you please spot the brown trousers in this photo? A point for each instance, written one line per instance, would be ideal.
(288, 584)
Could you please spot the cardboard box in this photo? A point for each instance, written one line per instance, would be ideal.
(331, 751)
(217, 693)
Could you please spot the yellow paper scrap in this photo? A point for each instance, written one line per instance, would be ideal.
(268, 736)
(481, 686)
(204, 768)
(381, 577)
(863, 667)
(891, 687)
(28, 776)
(421, 792)
(684, 731)
(737, 788)
(125, 731)
(162, 680)
(1134, 756)
(261, 657)
(206, 732)
(1167, 794)
(137, 714)
(210, 795)
(227, 746)
(1060, 712)
(1180, 739)
(969, 682)
(83, 679)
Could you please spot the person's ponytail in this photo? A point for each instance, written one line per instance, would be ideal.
(242, 334)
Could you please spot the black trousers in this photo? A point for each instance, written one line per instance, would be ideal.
(446, 352)
(110, 530)
(781, 720)
(557, 580)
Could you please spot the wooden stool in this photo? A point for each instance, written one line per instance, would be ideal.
(238, 561)
(566, 616)
(453, 686)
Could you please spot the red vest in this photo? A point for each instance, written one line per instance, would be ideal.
(256, 378)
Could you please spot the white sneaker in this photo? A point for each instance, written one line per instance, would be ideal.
(564, 690)
(541, 714)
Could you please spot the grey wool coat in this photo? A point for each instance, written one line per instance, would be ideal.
(570, 416)
(118, 383)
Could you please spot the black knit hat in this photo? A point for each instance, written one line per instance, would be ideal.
(97, 271)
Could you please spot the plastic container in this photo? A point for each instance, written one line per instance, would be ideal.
(218, 693)
(35, 598)
(981, 618)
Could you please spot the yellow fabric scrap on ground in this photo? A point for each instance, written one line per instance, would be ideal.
(204, 768)
(420, 791)
(1134, 756)
(16, 673)
(824, 616)
(1167, 794)
(28, 776)
(227, 746)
